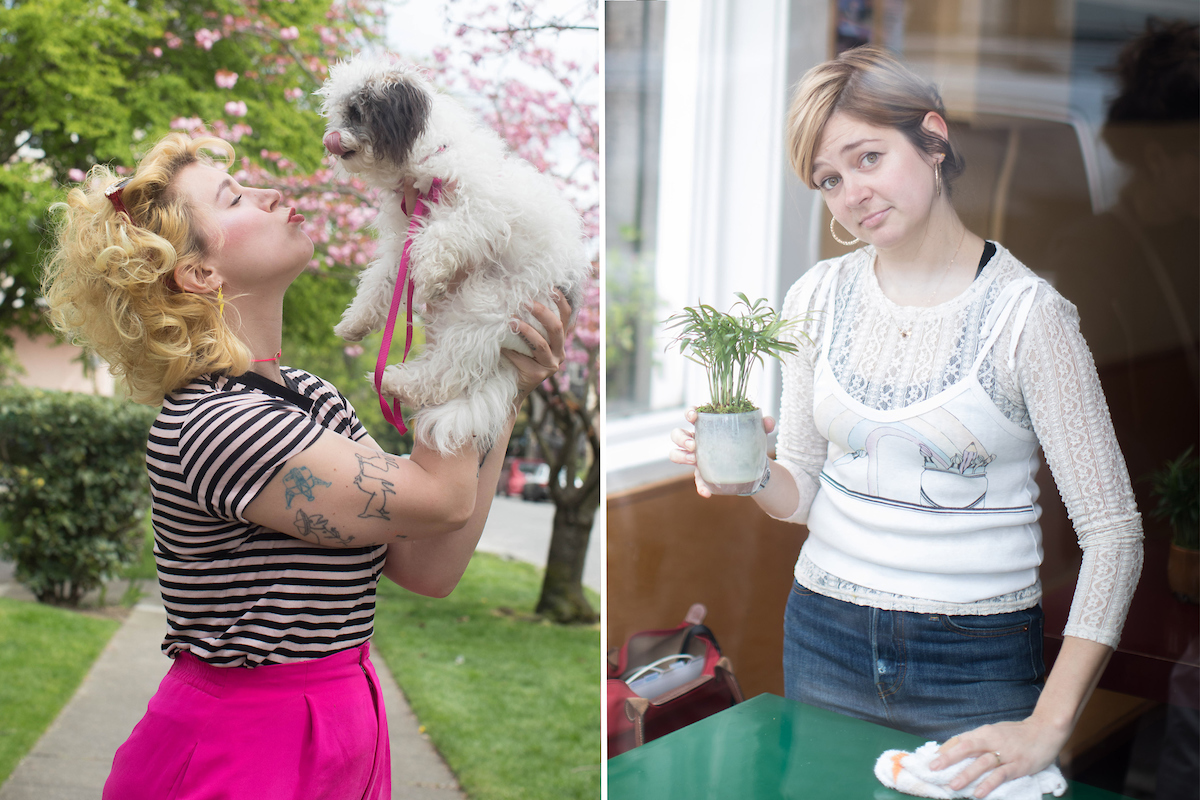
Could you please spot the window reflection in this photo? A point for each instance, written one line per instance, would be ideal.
(1105, 205)
(633, 91)
(1133, 269)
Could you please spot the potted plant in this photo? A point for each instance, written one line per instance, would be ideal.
(731, 445)
(1177, 486)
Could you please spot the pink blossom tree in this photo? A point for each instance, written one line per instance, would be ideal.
(566, 424)
(532, 73)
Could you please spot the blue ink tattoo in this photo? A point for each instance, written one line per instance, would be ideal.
(301, 481)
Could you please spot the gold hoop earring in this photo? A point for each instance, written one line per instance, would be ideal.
(221, 301)
(842, 242)
(937, 177)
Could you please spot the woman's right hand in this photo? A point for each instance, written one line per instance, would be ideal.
(684, 451)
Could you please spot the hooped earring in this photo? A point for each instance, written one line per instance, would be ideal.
(221, 300)
(937, 177)
(842, 242)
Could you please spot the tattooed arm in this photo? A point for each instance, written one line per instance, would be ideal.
(433, 567)
(340, 493)
(430, 508)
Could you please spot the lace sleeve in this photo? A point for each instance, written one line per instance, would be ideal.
(800, 448)
(1066, 404)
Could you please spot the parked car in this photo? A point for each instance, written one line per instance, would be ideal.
(536, 484)
(516, 473)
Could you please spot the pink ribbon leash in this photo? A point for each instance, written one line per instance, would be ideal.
(404, 287)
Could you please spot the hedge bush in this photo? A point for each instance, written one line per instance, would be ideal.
(73, 488)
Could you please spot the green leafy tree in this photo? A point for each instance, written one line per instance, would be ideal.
(89, 82)
(630, 305)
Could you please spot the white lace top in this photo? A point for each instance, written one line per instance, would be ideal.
(1045, 382)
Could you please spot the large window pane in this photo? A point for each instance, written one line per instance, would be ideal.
(634, 35)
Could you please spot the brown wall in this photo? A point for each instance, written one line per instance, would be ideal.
(669, 548)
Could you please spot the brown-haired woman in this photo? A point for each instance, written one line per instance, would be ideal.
(908, 444)
(274, 511)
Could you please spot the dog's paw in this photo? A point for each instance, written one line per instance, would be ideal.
(431, 289)
(351, 330)
(394, 385)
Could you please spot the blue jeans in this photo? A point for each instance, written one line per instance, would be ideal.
(932, 675)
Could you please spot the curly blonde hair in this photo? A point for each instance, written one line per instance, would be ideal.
(109, 281)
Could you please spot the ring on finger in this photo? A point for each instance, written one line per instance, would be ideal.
(999, 760)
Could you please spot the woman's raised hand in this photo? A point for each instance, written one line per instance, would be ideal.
(684, 451)
(548, 352)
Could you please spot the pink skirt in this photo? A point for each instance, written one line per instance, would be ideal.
(307, 730)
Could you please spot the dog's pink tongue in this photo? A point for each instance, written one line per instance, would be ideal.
(333, 143)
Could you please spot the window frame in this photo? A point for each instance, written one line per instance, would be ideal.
(725, 95)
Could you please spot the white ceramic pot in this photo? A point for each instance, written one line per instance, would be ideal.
(731, 451)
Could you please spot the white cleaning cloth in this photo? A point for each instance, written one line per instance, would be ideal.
(910, 773)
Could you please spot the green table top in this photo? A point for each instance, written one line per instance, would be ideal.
(768, 748)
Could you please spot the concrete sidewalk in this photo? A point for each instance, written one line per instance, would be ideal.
(521, 530)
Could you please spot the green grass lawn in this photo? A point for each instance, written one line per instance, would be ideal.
(45, 653)
(511, 702)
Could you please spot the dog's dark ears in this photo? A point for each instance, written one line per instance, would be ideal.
(396, 116)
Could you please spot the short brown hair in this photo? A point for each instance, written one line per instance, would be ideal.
(869, 84)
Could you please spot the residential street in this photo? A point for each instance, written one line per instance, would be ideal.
(521, 529)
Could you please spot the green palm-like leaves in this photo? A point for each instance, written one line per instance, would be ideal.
(728, 345)
(1177, 487)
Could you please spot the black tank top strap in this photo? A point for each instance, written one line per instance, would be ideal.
(989, 250)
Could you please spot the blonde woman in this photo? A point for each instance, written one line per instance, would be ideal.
(908, 443)
(274, 511)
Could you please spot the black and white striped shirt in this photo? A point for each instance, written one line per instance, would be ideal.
(236, 593)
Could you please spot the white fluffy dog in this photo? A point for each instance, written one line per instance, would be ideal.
(499, 236)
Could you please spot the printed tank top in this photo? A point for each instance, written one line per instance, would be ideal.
(935, 500)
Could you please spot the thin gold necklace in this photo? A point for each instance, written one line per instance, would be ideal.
(906, 330)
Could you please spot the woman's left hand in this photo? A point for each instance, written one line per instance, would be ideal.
(548, 352)
(1025, 748)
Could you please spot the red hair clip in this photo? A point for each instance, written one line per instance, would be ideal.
(113, 193)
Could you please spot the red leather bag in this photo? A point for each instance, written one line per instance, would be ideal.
(633, 719)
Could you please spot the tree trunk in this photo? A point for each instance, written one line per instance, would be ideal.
(562, 598)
